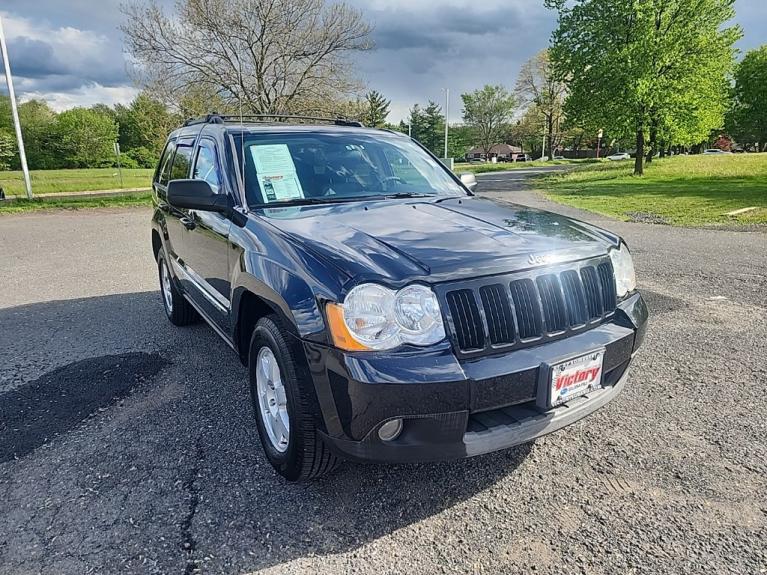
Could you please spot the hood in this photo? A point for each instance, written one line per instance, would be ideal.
(455, 238)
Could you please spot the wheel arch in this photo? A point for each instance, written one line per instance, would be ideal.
(156, 243)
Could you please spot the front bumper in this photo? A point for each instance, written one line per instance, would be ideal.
(453, 409)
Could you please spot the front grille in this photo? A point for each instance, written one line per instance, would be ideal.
(509, 312)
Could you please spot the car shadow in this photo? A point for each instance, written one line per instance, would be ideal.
(80, 379)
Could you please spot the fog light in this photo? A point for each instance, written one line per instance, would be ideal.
(390, 430)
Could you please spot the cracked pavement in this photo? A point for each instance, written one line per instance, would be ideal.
(130, 445)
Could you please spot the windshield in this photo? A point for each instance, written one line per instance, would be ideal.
(314, 166)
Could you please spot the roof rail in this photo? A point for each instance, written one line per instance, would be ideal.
(265, 118)
(206, 119)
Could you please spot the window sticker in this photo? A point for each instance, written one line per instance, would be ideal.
(276, 171)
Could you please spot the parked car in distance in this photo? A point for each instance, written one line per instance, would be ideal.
(559, 158)
(521, 158)
(619, 156)
(385, 313)
(715, 152)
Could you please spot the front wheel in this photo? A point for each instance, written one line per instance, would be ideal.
(281, 401)
(179, 311)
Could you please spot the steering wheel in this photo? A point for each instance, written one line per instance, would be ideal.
(385, 181)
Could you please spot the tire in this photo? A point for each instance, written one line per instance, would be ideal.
(179, 311)
(303, 454)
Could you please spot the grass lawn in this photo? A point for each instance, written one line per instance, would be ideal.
(483, 168)
(41, 203)
(684, 190)
(86, 180)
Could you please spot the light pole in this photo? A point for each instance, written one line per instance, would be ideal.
(15, 112)
(447, 116)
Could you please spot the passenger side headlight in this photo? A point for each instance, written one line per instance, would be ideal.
(623, 267)
(373, 317)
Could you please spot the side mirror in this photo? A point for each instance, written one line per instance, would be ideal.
(469, 180)
(197, 195)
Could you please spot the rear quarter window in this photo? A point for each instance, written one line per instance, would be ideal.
(163, 168)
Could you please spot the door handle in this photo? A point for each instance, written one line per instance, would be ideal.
(188, 222)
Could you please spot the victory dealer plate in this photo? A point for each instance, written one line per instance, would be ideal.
(575, 377)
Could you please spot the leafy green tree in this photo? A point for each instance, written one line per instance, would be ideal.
(747, 119)
(145, 123)
(85, 138)
(37, 121)
(488, 111)
(7, 148)
(377, 109)
(459, 141)
(654, 69)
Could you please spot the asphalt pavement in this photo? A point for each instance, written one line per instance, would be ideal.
(128, 445)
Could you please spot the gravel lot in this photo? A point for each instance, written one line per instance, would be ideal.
(128, 445)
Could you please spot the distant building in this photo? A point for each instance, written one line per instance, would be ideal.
(504, 153)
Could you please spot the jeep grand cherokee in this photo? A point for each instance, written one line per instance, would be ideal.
(384, 311)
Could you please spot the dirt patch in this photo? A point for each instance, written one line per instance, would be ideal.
(647, 218)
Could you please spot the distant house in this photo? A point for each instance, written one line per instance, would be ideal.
(504, 153)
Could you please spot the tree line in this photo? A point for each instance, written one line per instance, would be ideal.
(651, 76)
(85, 137)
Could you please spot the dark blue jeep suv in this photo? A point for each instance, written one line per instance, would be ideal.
(384, 311)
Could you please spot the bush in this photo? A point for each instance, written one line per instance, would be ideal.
(143, 157)
(127, 162)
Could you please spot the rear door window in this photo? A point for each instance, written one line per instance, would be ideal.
(182, 161)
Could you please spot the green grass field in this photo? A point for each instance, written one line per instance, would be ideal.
(684, 190)
(86, 180)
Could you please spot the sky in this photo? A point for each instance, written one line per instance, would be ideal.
(69, 52)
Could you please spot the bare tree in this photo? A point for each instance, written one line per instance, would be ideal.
(539, 88)
(270, 56)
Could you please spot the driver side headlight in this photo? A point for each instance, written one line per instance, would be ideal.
(623, 267)
(373, 317)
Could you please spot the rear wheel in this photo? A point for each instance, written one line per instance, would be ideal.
(281, 401)
(177, 308)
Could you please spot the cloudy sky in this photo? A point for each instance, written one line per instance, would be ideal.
(69, 52)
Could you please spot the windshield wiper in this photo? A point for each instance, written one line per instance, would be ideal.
(407, 195)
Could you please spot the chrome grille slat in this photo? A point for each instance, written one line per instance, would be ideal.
(607, 283)
(522, 311)
(466, 319)
(500, 322)
(575, 300)
(592, 291)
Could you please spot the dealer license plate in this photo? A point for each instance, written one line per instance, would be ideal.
(575, 377)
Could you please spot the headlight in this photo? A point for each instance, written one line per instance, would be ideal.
(623, 266)
(373, 317)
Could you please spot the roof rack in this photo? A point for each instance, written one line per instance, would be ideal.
(264, 118)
